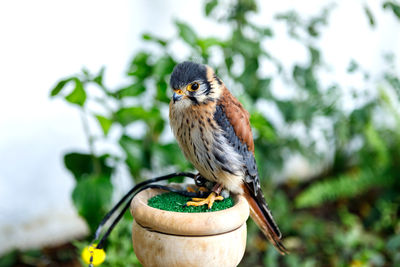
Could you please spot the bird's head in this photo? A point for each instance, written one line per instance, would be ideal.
(194, 84)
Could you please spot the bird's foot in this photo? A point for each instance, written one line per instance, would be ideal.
(205, 201)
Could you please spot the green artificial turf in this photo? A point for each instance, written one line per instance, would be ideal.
(174, 202)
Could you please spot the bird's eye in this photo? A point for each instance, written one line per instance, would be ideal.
(193, 86)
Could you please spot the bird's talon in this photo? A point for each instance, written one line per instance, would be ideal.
(209, 201)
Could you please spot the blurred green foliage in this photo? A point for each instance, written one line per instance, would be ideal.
(346, 215)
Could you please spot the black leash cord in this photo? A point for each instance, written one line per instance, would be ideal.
(167, 188)
(130, 195)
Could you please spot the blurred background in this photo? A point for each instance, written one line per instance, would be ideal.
(84, 116)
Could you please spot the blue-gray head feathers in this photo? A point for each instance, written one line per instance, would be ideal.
(187, 72)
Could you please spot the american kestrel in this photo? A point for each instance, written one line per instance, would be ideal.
(213, 130)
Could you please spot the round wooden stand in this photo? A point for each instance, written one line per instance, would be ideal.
(165, 238)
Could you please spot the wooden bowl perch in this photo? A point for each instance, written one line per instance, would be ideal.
(166, 238)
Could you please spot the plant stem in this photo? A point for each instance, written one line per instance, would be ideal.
(90, 139)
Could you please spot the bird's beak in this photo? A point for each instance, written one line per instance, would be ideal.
(178, 94)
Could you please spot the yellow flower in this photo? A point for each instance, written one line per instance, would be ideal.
(97, 255)
(356, 263)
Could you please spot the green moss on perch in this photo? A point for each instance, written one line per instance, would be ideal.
(174, 202)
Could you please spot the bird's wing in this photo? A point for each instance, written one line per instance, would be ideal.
(234, 121)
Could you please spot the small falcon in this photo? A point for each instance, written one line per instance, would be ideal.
(213, 130)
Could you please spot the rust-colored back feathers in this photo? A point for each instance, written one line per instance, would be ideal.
(238, 117)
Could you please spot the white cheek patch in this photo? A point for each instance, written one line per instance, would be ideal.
(201, 98)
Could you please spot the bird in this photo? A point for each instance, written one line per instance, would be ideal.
(213, 130)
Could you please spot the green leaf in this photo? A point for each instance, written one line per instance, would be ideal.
(164, 67)
(140, 67)
(249, 49)
(92, 198)
(315, 55)
(60, 85)
(132, 90)
(79, 164)
(378, 145)
(370, 16)
(86, 73)
(126, 116)
(305, 78)
(9, 259)
(263, 127)
(393, 6)
(78, 95)
(105, 123)
(99, 78)
(186, 33)
(265, 88)
(268, 32)
(353, 66)
(162, 88)
(209, 7)
(150, 37)
(263, 31)
(206, 43)
(228, 59)
(83, 165)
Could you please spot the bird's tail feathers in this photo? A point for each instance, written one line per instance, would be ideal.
(261, 215)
